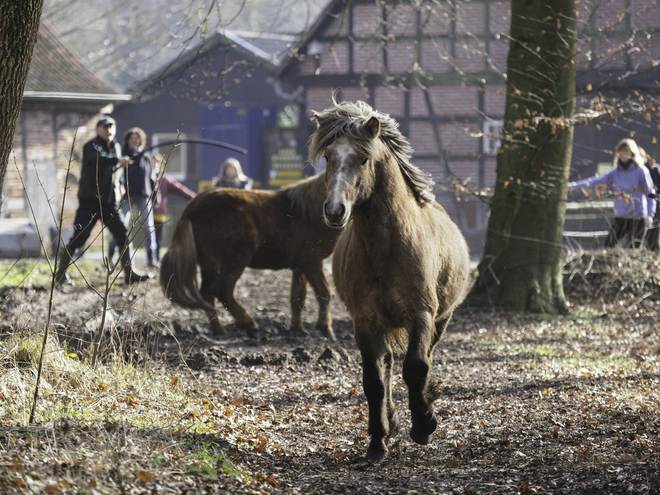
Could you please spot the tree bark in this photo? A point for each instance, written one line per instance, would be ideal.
(19, 23)
(521, 268)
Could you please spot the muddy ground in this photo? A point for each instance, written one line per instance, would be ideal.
(526, 404)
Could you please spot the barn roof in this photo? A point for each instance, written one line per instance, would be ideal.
(56, 72)
(265, 50)
(330, 12)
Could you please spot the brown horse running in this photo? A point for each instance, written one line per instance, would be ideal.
(401, 265)
(226, 230)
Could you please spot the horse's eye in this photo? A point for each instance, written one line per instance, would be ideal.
(365, 162)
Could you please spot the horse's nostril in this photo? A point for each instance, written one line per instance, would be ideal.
(337, 212)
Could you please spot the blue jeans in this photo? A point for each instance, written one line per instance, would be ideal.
(140, 218)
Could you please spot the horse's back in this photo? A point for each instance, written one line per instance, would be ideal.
(265, 227)
(226, 224)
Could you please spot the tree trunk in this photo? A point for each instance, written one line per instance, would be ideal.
(19, 23)
(521, 268)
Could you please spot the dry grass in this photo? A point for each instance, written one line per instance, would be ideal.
(114, 426)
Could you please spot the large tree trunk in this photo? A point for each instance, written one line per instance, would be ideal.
(521, 268)
(19, 23)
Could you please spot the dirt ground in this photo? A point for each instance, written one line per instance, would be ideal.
(526, 404)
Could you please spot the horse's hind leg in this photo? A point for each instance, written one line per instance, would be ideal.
(298, 295)
(206, 291)
(416, 369)
(223, 288)
(440, 327)
(374, 350)
(319, 283)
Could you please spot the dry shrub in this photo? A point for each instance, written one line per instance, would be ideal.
(612, 276)
(21, 353)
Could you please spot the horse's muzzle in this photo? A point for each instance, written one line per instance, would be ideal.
(335, 216)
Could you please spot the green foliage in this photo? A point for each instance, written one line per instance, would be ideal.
(33, 273)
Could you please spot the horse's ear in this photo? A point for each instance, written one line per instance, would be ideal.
(318, 121)
(372, 127)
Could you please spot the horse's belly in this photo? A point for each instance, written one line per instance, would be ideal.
(271, 259)
(381, 304)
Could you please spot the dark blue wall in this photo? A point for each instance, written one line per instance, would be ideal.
(240, 125)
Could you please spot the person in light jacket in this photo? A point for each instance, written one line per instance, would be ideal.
(631, 180)
(231, 175)
(165, 184)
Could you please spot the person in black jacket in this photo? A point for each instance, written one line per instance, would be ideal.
(99, 191)
(137, 205)
(653, 232)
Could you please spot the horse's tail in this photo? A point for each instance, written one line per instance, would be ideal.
(178, 269)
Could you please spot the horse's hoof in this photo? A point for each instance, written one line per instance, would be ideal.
(217, 329)
(326, 329)
(376, 454)
(254, 332)
(419, 438)
(421, 434)
(299, 331)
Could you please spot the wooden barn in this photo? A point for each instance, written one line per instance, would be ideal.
(221, 90)
(439, 69)
(61, 103)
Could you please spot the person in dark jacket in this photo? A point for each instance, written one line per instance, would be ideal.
(99, 192)
(654, 231)
(137, 205)
(231, 175)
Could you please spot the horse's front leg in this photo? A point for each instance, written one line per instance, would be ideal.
(416, 369)
(388, 362)
(298, 296)
(374, 350)
(319, 282)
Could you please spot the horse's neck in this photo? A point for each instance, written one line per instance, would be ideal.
(383, 217)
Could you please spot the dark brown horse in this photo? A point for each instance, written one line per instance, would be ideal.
(226, 230)
(401, 265)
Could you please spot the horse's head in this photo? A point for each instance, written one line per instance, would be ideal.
(349, 173)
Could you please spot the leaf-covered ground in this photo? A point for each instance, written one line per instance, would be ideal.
(527, 404)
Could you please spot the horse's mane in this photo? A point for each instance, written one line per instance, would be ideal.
(308, 195)
(348, 119)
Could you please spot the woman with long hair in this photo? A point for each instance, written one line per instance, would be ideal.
(138, 198)
(632, 184)
(231, 175)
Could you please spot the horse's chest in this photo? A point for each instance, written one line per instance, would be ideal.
(382, 294)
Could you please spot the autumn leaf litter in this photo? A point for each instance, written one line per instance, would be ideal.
(527, 404)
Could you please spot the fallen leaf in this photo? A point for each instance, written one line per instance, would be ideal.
(145, 476)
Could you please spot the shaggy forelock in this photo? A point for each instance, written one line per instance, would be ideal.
(349, 119)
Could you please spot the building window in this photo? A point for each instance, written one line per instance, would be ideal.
(175, 155)
(492, 136)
